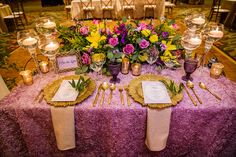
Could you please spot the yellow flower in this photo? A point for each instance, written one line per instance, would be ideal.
(97, 57)
(146, 32)
(153, 38)
(95, 38)
(167, 56)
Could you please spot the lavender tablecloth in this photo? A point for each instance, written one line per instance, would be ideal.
(206, 130)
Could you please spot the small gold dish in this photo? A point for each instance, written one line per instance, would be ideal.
(50, 90)
(136, 92)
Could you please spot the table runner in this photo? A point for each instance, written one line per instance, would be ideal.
(207, 130)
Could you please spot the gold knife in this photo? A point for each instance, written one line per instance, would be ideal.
(97, 95)
(127, 95)
(37, 97)
(191, 98)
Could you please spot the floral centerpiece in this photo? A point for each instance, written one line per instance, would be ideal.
(132, 40)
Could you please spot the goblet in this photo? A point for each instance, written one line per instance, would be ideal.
(49, 48)
(190, 41)
(153, 55)
(190, 65)
(212, 32)
(46, 26)
(195, 21)
(28, 39)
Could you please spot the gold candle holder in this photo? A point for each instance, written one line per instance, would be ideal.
(216, 70)
(44, 67)
(136, 69)
(27, 77)
(125, 66)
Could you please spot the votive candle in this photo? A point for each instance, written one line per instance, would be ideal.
(136, 69)
(27, 77)
(125, 66)
(44, 67)
(216, 70)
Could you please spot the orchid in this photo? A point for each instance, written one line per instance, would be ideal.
(95, 38)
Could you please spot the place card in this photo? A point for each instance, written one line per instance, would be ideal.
(155, 92)
(65, 92)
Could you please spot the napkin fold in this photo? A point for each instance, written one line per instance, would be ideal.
(64, 126)
(158, 124)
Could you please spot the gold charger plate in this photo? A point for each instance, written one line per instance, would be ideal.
(50, 90)
(136, 92)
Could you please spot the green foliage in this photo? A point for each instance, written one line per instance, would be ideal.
(81, 70)
(171, 87)
(81, 84)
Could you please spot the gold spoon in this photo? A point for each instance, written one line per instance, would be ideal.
(203, 86)
(191, 86)
(112, 88)
(105, 86)
(127, 95)
(121, 95)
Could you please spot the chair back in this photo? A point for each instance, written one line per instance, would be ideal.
(86, 3)
(216, 4)
(128, 2)
(150, 2)
(67, 2)
(16, 5)
(106, 3)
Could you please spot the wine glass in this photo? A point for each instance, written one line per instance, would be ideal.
(28, 39)
(152, 55)
(46, 26)
(190, 65)
(49, 48)
(190, 41)
(212, 32)
(195, 21)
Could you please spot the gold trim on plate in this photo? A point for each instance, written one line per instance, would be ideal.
(50, 90)
(135, 91)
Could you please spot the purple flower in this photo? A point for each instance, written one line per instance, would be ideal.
(90, 50)
(128, 49)
(143, 25)
(84, 30)
(86, 59)
(163, 47)
(113, 41)
(165, 35)
(143, 44)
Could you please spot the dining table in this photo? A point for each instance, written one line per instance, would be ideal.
(76, 10)
(208, 129)
(5, 10)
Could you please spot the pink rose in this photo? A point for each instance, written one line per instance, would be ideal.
(113, 41)
(84, 30)
(128, 49)
(96, 22)
(143, 44)
(86, 59)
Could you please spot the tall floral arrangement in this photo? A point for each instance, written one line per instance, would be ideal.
(132, 40)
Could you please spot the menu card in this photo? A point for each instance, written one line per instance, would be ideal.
(155, 92)
(65, 92)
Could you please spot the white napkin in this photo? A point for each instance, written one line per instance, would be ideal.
(158, 124)
(64, 126)
(66, 92)
(155, 92)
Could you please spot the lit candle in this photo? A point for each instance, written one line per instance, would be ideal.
(125, 66)
(44, 67)
(216, 70)
(27, 77)
(216, 33)
(195, 41)
(29, 41)
(198, 21)
(136, 69)
(49, 25)
(52, 46)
